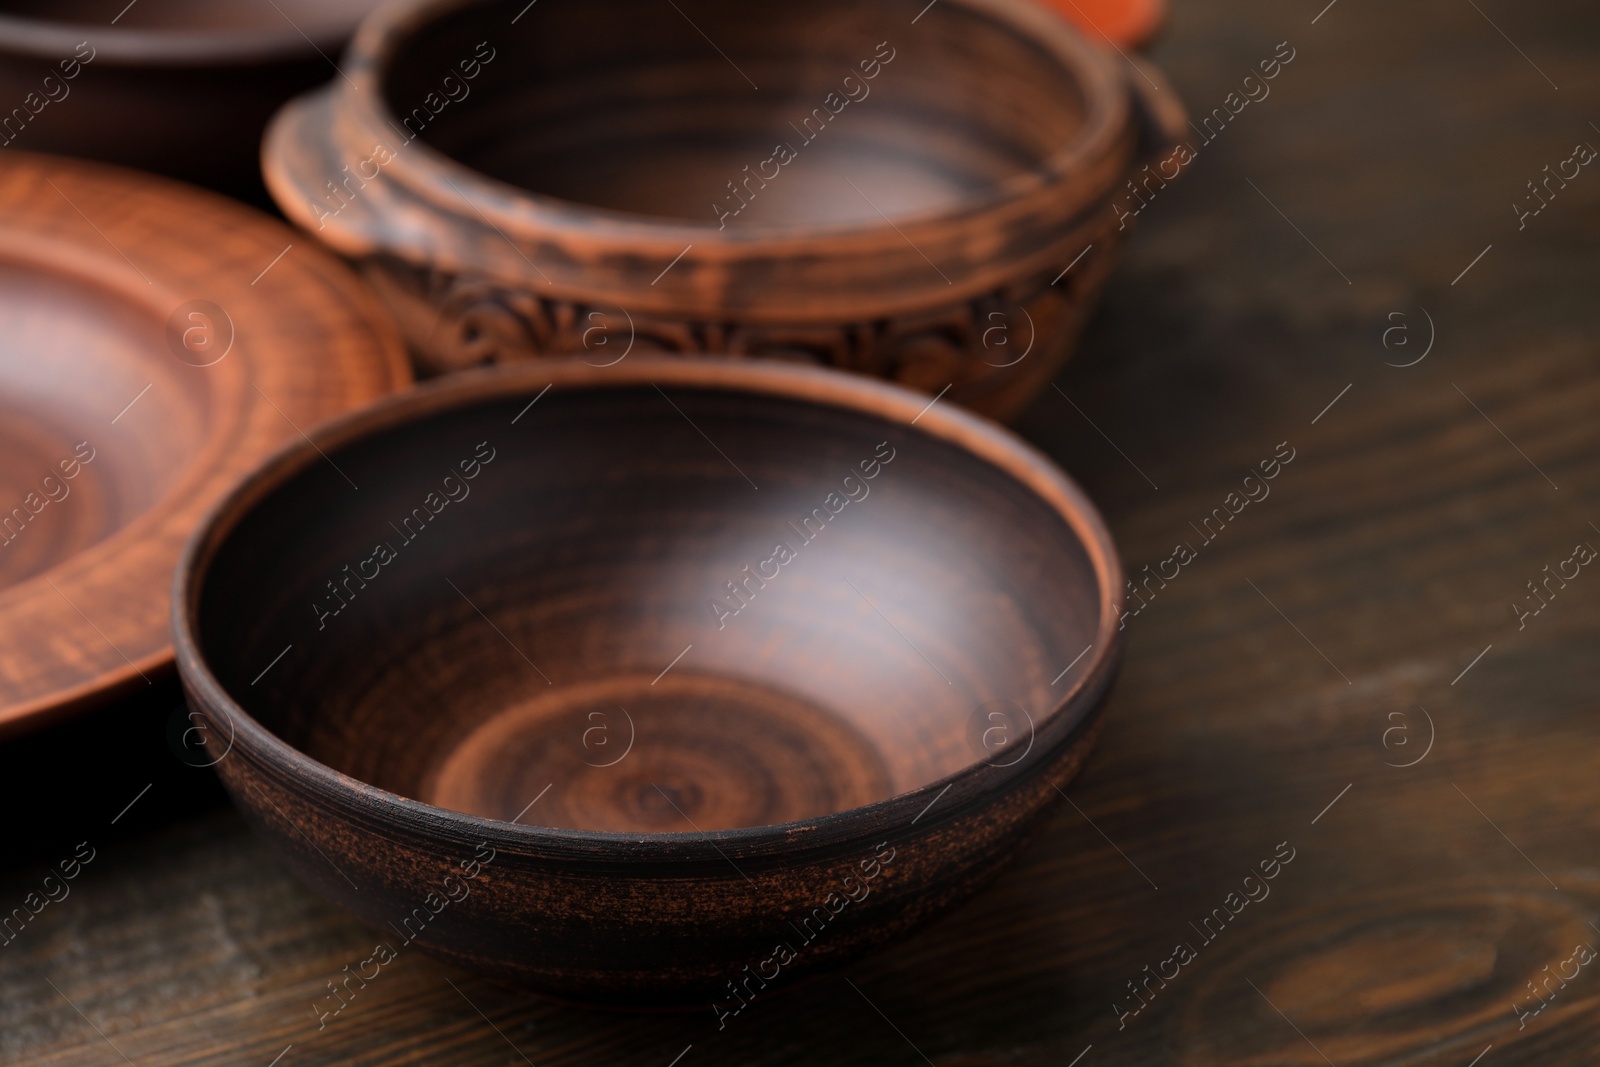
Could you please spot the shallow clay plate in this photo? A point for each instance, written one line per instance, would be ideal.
(155, 343)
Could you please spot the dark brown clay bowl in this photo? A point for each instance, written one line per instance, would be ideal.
(902, 195)
(559, 694)
(180, 87)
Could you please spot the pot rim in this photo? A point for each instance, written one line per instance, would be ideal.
(974, 786)
(441, 178)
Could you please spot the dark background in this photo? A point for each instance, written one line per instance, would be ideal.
(1417, 508)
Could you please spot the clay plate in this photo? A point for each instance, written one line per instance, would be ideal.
(146, 362)
(607, 680)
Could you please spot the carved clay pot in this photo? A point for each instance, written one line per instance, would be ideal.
(920, 193)
(179, 87)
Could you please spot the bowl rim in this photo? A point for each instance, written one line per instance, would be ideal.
(975, 784)
(53, 39)
(440, 178)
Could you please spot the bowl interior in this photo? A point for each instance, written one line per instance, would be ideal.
(775, 114)
(97, 418)
(610, 617)
(316, 17)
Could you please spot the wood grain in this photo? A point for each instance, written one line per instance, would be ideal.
(1396, 541)
(155, 347)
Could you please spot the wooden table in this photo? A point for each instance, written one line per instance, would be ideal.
(1357, 620)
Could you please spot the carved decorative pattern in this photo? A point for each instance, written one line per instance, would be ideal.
(988, 347)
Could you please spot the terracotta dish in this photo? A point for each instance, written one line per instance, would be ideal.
(546, 698)
(921, 193)
(153, 348)
(1118, 23)
(180, 87)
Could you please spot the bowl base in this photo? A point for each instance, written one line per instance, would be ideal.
(688, 752)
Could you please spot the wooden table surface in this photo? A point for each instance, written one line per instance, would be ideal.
(1358, 619)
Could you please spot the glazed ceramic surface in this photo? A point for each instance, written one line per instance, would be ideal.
(148, 358)
(878, 188)
(690, 649)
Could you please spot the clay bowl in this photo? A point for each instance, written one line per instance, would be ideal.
(902, 196)
(148, 360)
(180, 87)
(543, 716)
